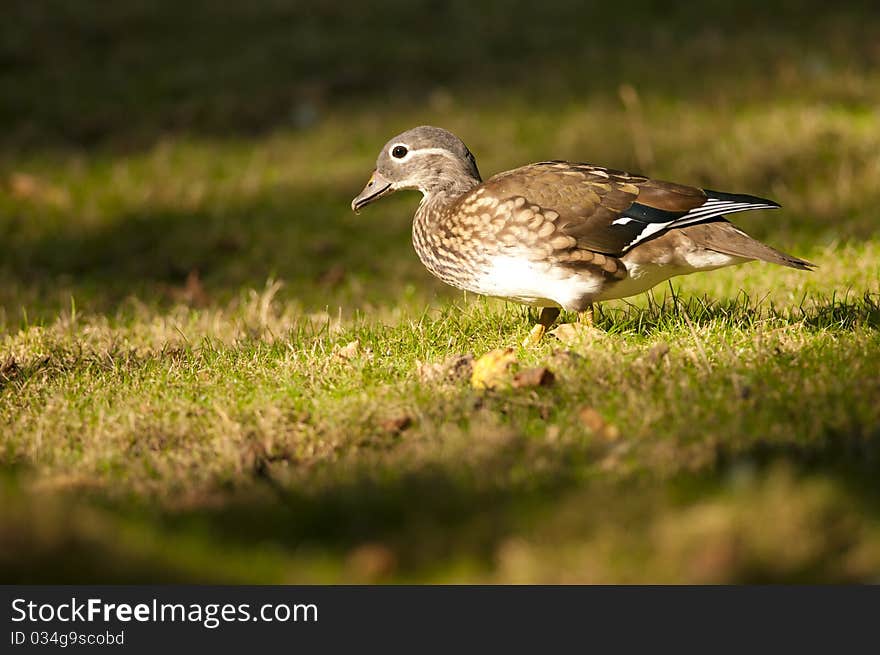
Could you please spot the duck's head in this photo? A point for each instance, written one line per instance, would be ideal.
(426, 158)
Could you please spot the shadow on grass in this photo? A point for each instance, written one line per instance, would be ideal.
(423, 509)
(308, 239)
(129, 73)
(673, 311)
(853, 457)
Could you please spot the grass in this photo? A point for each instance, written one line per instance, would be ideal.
(182, 281)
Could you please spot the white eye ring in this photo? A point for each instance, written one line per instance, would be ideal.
(399, 152)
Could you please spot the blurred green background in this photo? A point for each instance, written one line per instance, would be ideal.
(178, 264)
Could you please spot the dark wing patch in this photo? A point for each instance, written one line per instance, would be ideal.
(643, 222)
(740, 197)
(610, 211)
(639, 212)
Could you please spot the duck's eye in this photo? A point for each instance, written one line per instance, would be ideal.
(399, 152)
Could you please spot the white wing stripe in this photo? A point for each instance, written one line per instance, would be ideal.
(651, 228)
(717, 210)
(709, 209)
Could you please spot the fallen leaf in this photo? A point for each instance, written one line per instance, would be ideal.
(30, 187)
(349, 350)
(397, 424)
(490, 370)
(577, 333)
(23, 185)
(371, 561)
(9, 369)
(563, 358)
(459, 367)
(592, 419)
(597, 424)
(452, 369)
(534, 377)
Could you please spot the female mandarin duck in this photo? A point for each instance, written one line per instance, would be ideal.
(559, 234)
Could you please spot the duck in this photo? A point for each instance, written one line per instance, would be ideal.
(558, 234)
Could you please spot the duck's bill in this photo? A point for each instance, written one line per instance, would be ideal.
(377, 187)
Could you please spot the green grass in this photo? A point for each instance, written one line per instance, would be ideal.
(180, 270)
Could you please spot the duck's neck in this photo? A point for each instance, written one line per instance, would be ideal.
(433, 222)
(444, 191)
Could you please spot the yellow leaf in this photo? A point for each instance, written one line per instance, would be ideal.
(491, 370)
(577, 334)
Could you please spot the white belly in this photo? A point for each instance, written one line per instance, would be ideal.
(644, 276)
(640, 278)
(544, 285)
(535, 283)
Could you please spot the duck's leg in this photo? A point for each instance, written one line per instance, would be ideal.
(548, 315)
(583, 329)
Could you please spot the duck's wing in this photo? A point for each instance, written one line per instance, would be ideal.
(609, 211)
